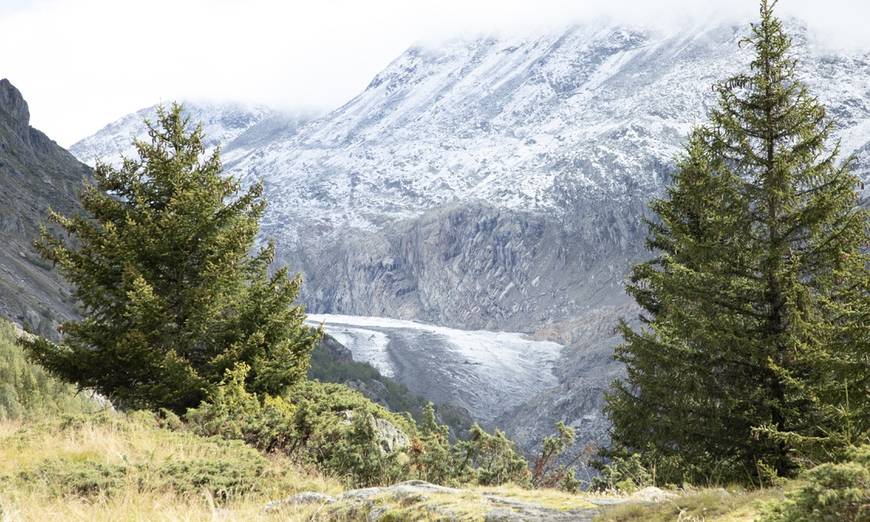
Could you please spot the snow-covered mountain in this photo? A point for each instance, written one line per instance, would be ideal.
(553, 127)
(237, 128)
(499, 184)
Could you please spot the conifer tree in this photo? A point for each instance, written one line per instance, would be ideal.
(171, 295)
(755, 310)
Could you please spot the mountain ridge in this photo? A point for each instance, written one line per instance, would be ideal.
(501, 183)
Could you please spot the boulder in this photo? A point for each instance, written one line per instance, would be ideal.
(304, 498)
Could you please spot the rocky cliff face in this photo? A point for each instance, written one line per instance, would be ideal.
(35, 174)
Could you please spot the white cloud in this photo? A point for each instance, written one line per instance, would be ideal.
(82, 63)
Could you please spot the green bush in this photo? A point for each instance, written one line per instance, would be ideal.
(27, 390)
(82, 478)
(326, 424)
(358, 453)
(832, 493)
(234, 413)
(491, 459)
(623, 474)
(547, 471)
(349, 436)
(222, 478)
(431, 454)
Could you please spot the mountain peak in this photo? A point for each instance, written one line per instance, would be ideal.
(12, 105)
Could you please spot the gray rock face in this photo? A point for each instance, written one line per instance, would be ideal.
(304, 498)
(17, 113)
(35, 174)
(389, 437)
(479, 267)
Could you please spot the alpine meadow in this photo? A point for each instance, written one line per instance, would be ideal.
(610, 269)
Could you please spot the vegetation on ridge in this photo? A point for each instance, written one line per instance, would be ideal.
(27, 391)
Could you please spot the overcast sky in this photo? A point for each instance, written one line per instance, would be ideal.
(83, 63)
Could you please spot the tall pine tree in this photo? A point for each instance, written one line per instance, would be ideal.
(753, 353)
(171, 295)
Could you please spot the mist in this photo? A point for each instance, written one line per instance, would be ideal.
(83, 63)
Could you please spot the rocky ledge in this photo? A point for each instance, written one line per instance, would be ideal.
(415, 500)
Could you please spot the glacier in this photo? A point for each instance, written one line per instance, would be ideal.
(487, 373)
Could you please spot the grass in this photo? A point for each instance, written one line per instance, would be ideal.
(704, 505)
(147, 506)
(112, 466)
(116, 467)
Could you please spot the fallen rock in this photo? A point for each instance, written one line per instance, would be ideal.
(652, 494)
(304, 498)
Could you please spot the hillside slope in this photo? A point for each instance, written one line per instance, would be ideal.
(35, 174)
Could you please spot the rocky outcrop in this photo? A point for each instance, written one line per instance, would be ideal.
(418, 500)
(35, 174)
(389, 437)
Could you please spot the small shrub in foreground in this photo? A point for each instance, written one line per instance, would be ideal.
(833, 493)
(348, 436)
(328, 425)
(83, 478)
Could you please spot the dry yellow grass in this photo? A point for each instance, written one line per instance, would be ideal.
(145, 507)
(120, 440)
(145, 493)
(697, 505)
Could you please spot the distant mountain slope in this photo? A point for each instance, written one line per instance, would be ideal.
(553, 140)
(500, 184)
(35, 174)
(237, 128)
